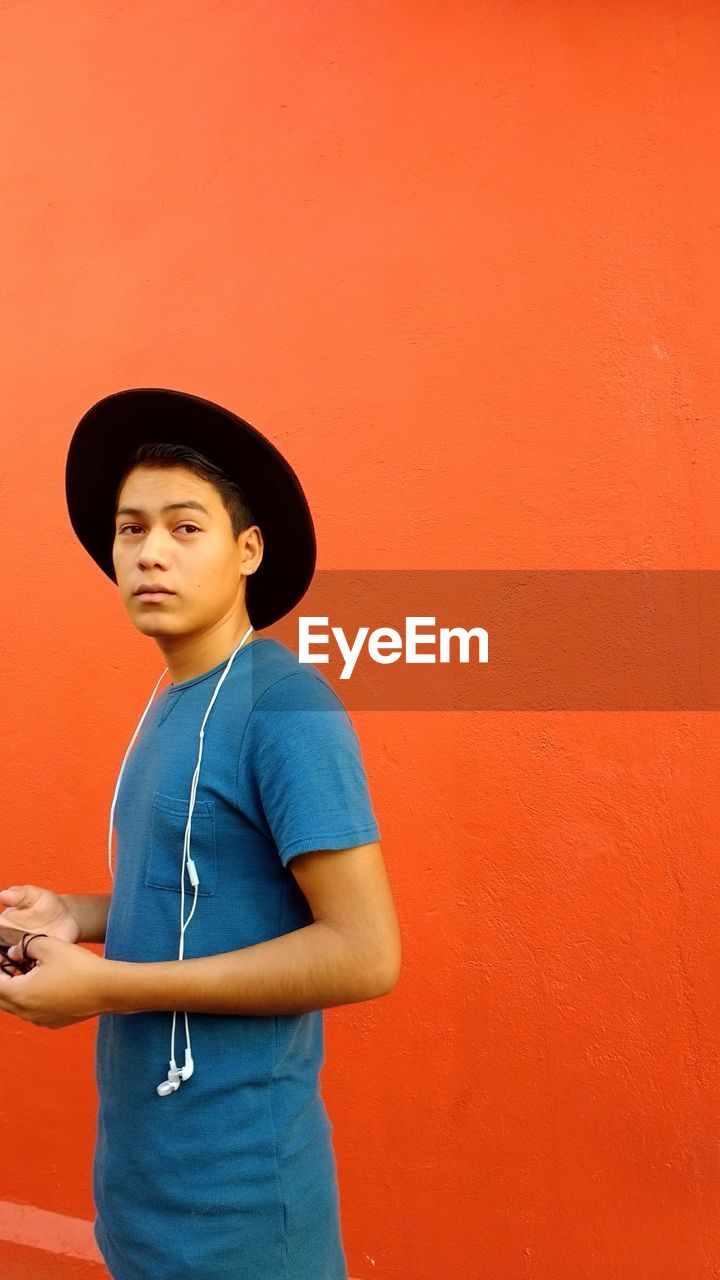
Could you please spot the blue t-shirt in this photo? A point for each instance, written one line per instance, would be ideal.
(232, 1176)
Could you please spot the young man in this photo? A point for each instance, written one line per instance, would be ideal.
(250, 890)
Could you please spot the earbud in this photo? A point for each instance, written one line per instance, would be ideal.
(168, 1086)
(176, 1075)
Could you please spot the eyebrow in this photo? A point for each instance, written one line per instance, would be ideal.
(171, 506)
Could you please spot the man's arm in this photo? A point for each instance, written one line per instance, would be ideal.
(91, 912)
(351, 951)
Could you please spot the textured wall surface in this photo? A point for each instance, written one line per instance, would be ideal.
(459, 259)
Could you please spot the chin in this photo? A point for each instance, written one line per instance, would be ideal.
(147, 629)
(153, 626)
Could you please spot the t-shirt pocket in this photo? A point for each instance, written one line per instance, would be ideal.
(167, 837)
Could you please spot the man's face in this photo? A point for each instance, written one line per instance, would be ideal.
(173, 531)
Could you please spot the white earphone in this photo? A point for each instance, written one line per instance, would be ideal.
(176, 1074)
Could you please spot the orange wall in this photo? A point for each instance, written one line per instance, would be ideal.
(460, 260)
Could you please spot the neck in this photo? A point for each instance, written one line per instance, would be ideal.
(189, 656)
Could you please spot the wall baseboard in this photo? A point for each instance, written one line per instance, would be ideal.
(33, 1228)
(37, 1244)
(22, 1263)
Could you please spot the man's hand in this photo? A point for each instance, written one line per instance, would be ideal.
(67, 985)
(36, 910)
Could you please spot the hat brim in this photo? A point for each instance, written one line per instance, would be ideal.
(110, 432)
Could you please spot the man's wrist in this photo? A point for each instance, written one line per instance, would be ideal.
(90, 912)
(135, 986)
(123, 986)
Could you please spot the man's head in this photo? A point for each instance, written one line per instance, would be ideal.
(182, 525)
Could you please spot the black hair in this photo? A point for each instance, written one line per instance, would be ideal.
(180, 455)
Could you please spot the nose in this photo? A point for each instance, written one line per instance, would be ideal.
(153, 550)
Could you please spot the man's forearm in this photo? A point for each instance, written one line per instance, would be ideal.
(91, 912)
(310, 968)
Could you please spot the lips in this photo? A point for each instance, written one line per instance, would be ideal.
(150, 595)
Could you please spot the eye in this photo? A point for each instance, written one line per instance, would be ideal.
(191, 527)
(126, 527)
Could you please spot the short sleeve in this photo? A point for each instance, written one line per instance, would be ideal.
(302, 758)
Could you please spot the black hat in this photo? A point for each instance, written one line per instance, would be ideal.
(109, 433)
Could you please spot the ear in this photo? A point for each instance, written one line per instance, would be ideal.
(251, 546)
